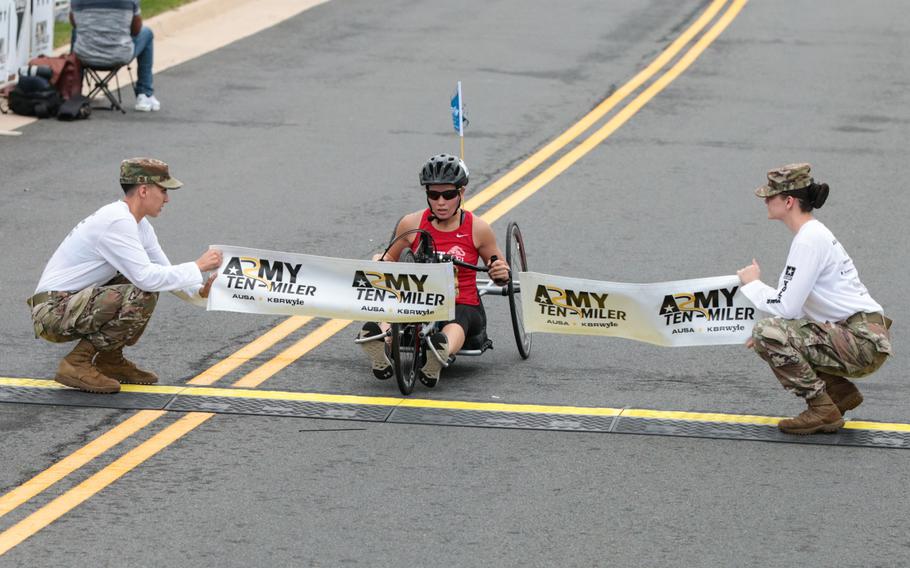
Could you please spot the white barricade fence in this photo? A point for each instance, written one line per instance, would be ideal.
(23, 35)
(8, 37)
(704, 311)
(268, 282)
(42, 29)
(26, 31)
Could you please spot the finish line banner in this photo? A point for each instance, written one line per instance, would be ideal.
(705, 311)
(267, 282)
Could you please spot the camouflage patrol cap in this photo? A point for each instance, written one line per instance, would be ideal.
(147, 170)
(786, 178)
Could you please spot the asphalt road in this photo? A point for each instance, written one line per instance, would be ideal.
(308, 137)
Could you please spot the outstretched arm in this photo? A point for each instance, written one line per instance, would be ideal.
(795, 284)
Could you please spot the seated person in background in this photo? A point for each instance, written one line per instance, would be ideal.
(110, 32)
(456, 232)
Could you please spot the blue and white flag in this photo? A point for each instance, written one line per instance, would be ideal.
(459, 120)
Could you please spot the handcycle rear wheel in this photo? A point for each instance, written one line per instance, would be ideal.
(518, 262)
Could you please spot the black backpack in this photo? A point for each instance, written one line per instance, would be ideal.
(34, 96)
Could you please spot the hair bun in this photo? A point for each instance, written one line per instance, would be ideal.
(819, 193)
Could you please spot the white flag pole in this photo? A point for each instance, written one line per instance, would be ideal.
(461, 119)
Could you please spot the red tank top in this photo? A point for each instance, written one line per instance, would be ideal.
(460, 244)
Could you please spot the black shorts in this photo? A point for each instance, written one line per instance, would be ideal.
(472, 319)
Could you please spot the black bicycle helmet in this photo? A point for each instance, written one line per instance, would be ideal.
(442, 169)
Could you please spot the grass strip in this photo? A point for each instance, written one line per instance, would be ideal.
(150, 8)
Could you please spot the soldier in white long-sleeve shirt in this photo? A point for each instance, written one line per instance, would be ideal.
(826, 327)
(101, 285)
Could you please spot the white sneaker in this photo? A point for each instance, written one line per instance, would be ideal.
(143, 103)
(376, 351)
(156, 104)
(429, 373)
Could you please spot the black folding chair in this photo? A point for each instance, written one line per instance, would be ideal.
(98, 80)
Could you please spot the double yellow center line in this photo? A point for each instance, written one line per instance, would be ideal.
(95, 483)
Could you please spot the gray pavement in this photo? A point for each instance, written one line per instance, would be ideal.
(278, 492)
(308, 137)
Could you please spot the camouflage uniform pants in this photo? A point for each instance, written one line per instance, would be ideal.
(109, 316)
(798, 350)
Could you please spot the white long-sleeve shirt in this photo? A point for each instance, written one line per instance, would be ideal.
(819, 283)
(110, 241)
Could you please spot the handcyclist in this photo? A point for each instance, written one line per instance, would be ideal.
(457, 233)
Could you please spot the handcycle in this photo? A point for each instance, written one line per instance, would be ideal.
(408, 344)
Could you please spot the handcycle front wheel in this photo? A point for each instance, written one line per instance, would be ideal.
(407, 350)
(518, 262)
(406, 346)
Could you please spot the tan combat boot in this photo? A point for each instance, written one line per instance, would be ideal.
(114, 364)
(821, 416)
(844, 393)
(76, 370)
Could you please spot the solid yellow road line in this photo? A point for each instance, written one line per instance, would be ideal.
(257, 376)
(77, 459)
(296, 396)
(620, 118)
(700, 416)
(506, 407)
(596, 114)
(152, 389)
(72, 498)
(398, 402)
(33, 383)
(250, 350)
(53, 385)
(879, 426)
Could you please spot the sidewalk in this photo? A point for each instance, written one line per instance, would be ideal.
(192, 30)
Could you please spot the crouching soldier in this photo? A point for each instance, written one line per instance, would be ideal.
(101, 285)
(827, 328)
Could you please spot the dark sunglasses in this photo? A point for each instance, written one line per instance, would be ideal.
(447, 194)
